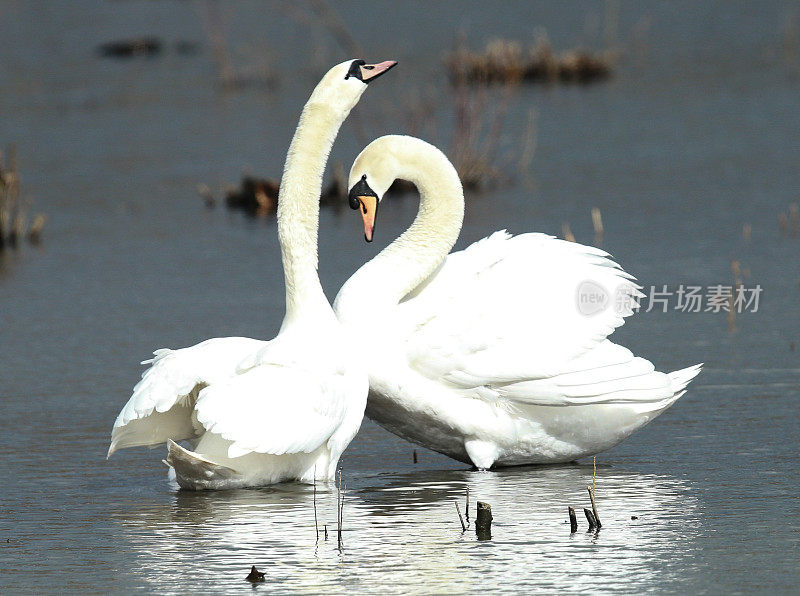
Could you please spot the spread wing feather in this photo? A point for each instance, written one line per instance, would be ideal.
(505, 317)
(161, 404)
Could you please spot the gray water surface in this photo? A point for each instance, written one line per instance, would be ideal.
(695, 136)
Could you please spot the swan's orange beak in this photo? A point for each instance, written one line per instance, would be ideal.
(370, 72)
(368, 205)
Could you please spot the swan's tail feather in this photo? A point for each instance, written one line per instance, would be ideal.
(196, 472)
(681, 378)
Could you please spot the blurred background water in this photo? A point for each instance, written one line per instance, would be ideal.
(694, 136)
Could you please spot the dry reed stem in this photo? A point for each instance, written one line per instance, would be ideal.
(738, 283)
(597, 224)
(333, 23)
(13, 209)
(460, 518)
(567, 233)
(794, 220)
(783, 224)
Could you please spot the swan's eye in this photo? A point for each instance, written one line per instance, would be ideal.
(355, 69)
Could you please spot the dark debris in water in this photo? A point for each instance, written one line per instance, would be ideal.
(146, 45)
(258, 197)
(255, 575)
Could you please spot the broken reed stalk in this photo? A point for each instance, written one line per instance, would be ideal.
(467, 505)
(415, 456)
(591, 519)
(594, 509)
(461, 518)
(573, 521)
(483, 521)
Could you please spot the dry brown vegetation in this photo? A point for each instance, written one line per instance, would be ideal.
(13, 210)
(506, 61)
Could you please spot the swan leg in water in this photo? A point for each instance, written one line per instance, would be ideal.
(484, 354)
(259, 412)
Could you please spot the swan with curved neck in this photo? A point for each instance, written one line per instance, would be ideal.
(488, 355)
(258, 412)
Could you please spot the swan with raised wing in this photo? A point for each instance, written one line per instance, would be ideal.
(488, 355)
(258, 412)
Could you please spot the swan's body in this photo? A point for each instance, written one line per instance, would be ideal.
(483, 354)
(259, 412)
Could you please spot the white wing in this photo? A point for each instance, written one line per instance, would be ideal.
(606, 374)
(507, 310)
(274, 409)
(162, 402)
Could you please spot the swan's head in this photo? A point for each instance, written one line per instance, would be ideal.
(382, 162)
(342, 85)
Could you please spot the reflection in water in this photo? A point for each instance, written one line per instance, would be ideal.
(402, 531)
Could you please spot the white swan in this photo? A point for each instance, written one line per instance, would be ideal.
(263, 412)
(484, 354)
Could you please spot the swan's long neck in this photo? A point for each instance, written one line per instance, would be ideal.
(298, 207)
(402, 266)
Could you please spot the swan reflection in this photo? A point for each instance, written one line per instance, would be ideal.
(401, 532)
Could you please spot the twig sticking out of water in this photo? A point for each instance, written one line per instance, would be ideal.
(783, 224)
(737, 285)
(461, 518)
(255, 575)
(467, 506)
(415, 456)
(567, 233)
(573, 521)
(591, 495)
(35, 231)
(325, 529)
(340, 491)
(597, 223)
(316, 525)
(794, 220)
